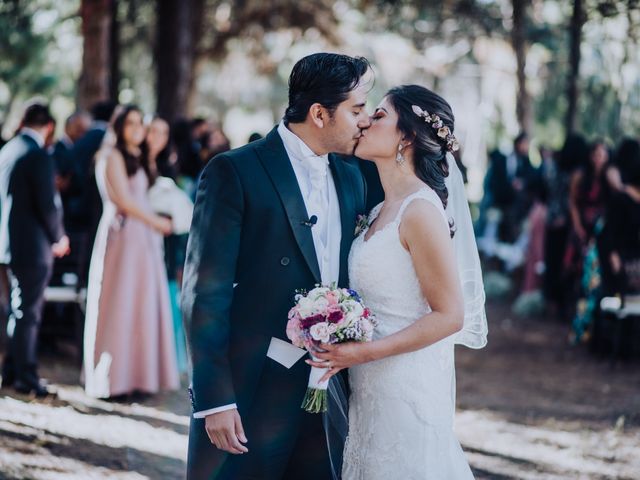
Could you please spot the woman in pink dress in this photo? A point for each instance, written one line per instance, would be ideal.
(128, 340)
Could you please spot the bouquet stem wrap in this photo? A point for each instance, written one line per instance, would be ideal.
(315, 400)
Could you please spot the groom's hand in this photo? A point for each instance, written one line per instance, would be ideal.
(225, 431)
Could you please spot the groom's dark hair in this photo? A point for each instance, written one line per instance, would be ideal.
(324, 78)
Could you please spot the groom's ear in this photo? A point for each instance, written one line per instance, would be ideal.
(318, 115)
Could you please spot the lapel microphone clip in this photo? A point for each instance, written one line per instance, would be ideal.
(311, 222)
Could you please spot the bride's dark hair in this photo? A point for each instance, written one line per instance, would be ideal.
(429, 150)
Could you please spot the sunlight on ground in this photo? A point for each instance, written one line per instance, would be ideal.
(111, 440)
(553, 450)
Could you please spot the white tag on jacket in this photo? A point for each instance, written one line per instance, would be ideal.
(284, 353)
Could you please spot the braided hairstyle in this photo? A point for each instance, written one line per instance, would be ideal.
(429, 150)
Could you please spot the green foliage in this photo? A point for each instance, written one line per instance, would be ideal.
(22, 51)
(28, 36)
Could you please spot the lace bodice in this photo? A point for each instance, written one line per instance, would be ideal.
(382, 272)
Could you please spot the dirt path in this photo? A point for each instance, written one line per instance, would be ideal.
(530, 407)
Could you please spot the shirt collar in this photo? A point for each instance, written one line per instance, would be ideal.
(39, 139)
(296, 147)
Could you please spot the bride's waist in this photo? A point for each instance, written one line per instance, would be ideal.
(388, 324)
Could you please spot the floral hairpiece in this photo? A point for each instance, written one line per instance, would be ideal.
(443, 131)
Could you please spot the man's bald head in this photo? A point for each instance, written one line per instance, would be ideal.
(76, 125)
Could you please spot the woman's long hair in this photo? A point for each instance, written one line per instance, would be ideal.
(429, 150)
(132, 162)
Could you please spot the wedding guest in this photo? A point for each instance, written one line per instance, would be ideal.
(623, 161)
(31, 235)
(587, 204)
(212, 143)
(162, 162)
(511, 180)
(64, 157)
(624, 228)
(188, 151)
(587, 194)
(556, 178)
(129, 343)
(87, 208)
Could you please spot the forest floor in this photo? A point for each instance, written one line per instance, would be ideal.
(530, 406)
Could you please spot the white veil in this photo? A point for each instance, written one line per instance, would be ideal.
(474, 332)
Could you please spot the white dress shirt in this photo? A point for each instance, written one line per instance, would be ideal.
(39, 139)
(320, 199)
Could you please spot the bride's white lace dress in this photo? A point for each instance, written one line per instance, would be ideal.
(401, 408)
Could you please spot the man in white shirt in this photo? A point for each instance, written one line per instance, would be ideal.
(31, 235)
(274, 216)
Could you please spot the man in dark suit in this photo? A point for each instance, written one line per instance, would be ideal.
(511, 181)
(85, 207)
(64, 157)
(274, 216)
(31, 234)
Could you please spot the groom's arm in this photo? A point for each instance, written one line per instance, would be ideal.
(210, 268)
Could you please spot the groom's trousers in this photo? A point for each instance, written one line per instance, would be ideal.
(284, 442)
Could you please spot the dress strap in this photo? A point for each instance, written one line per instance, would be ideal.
(375, 211)
(425, 193)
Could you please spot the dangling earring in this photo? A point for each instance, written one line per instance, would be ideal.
(399, 156)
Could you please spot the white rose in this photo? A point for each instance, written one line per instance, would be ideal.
(318, 292)
(357, 309)
(320, 305)
(320, 332)
(305, 307)
(354, 311)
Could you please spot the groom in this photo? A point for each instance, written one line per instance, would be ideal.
(272, 217)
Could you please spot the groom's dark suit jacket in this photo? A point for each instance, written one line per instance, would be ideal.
(249, 229)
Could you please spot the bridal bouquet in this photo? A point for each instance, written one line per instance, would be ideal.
(327, 315)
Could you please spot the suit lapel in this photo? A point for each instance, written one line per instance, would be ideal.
(275, 161)
(347, 213)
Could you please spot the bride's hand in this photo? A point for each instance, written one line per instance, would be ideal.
(337, 357)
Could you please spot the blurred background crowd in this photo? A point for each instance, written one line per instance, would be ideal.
(565, 234)
(103, 274)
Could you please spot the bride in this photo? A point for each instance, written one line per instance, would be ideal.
(416, 266)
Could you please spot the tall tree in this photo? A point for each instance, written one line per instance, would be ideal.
(114, 52)
(178, 31)
(95, 79)
(578, 19)
(520, 47)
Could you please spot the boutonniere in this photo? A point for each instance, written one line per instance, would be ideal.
(362, 223)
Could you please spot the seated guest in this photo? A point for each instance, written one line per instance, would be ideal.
(624, 231)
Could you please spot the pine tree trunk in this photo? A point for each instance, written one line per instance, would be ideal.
(578, 20)
(520, 47)
(114, 83)
(95, 78)
(178, 32)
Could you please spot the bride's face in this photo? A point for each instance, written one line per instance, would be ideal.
(380, 141)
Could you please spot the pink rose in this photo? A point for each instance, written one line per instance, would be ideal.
(332, 299)
(294, 333)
